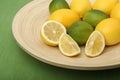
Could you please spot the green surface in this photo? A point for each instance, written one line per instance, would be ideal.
(15, 64)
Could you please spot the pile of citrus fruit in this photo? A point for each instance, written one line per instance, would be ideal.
(79, 23)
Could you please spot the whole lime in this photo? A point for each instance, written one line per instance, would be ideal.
(93, 17)
(80, 31)
(57, 4)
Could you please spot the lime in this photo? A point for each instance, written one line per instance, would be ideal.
(110, 28)
(93, 17)
(57, 4)
(80, 31)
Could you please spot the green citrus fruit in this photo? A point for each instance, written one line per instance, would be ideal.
(93, 17)
(57, 4)
(80, 31)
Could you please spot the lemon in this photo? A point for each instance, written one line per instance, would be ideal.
(105, 5)
(57, 4)
(115, 13)
(110, 28)
(95, 44)
(80, 31)
(80, 6)
(51, 31)
(65, 16)
(93, 17)
(68, 46)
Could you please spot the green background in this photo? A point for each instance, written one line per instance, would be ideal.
(15, 64)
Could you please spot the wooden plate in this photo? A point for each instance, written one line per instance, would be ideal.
(26, 30)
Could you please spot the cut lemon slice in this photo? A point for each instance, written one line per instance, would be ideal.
(95, 44)
(68, 46)
(51, 31)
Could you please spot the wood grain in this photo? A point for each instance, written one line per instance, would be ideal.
(26, 30)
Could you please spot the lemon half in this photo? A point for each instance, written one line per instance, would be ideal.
(51, 31)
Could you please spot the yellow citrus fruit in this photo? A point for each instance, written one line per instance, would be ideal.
(80, 6)
(110, 28)
(105, 5)
(65, 16)
(115, 13)
(95, 44)
(68, 46)
(51, 31)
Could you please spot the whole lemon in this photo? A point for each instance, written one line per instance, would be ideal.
(105, 5)
(80, 6)
(115, 13)
(65, 16)
(80, 31)
(110, 28)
